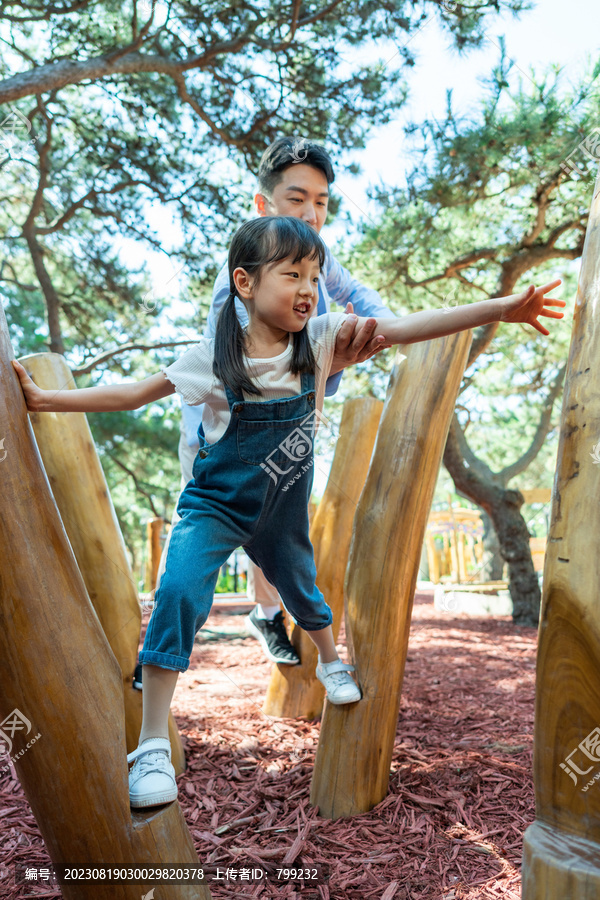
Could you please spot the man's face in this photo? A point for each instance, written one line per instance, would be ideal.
(303, 192)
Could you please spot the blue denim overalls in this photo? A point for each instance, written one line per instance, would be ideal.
(250, 489)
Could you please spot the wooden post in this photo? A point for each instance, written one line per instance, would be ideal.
(353, 759)
(62, 686)
(446, 559)
(294, 690)
(454, 544)
(83, 499)
(479, 552)
(154, 530)
(432, 558)
(561, 858)
(462, 557)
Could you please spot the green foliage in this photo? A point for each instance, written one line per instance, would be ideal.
(161, 117)
(486, 210)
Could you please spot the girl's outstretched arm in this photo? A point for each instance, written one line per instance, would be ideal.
(429, 324)
(104, 398)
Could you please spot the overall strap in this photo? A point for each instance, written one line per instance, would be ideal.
(307, 382)
(232, 397)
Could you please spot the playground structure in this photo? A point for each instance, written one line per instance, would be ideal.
(561, 852)
(65, 673)
(294, 690)
(352, 765)
(154, 546)
(62, 680)
(460, 533)
(83, 500)
(454, 542)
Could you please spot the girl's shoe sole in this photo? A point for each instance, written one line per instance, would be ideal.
(153, 801)
(342, 702)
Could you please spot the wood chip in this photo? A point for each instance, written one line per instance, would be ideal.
(460, 793)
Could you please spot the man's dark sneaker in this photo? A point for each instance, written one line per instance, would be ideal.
(273, 638)
(137, 677)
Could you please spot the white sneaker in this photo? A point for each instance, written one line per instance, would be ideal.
(340, 686)
(152, 777)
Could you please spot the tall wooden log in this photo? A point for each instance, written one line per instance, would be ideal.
(60, 681)
(83, 499)
(561, 858)
(353, 759)
(294, 690)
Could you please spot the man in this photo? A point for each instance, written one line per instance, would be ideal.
(293, 180)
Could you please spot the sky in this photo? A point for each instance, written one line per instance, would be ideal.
(551, 33)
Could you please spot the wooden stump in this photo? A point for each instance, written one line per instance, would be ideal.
(294, 690)
(83, 499)
(353, 759)
(561, 859)
(62, 682)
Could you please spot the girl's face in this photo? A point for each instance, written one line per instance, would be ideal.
(286, 295)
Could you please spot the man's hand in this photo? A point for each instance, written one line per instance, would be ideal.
(354, 345)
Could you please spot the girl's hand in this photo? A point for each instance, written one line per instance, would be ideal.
(33, 394)
(530, 304)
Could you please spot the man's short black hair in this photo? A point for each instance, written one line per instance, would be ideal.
(290, 151)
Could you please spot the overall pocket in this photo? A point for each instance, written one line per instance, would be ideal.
(286, 443)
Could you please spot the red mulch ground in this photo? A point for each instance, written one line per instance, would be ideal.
(460, 796)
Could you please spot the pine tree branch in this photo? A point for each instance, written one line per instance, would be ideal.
(45, 13)
(62, 220)
(537, 443)
(55, 75)
(199, 110)
(453, 268)
(138, 488)
(125, 348)
(542, 202)
(476, 465)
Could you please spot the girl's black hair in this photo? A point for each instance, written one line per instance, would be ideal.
(258, 243)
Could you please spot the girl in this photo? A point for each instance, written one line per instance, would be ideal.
(263, 390)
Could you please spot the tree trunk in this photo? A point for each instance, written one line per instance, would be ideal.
(493, 564)
(51, 297)
(514, 537)
(503, 507)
